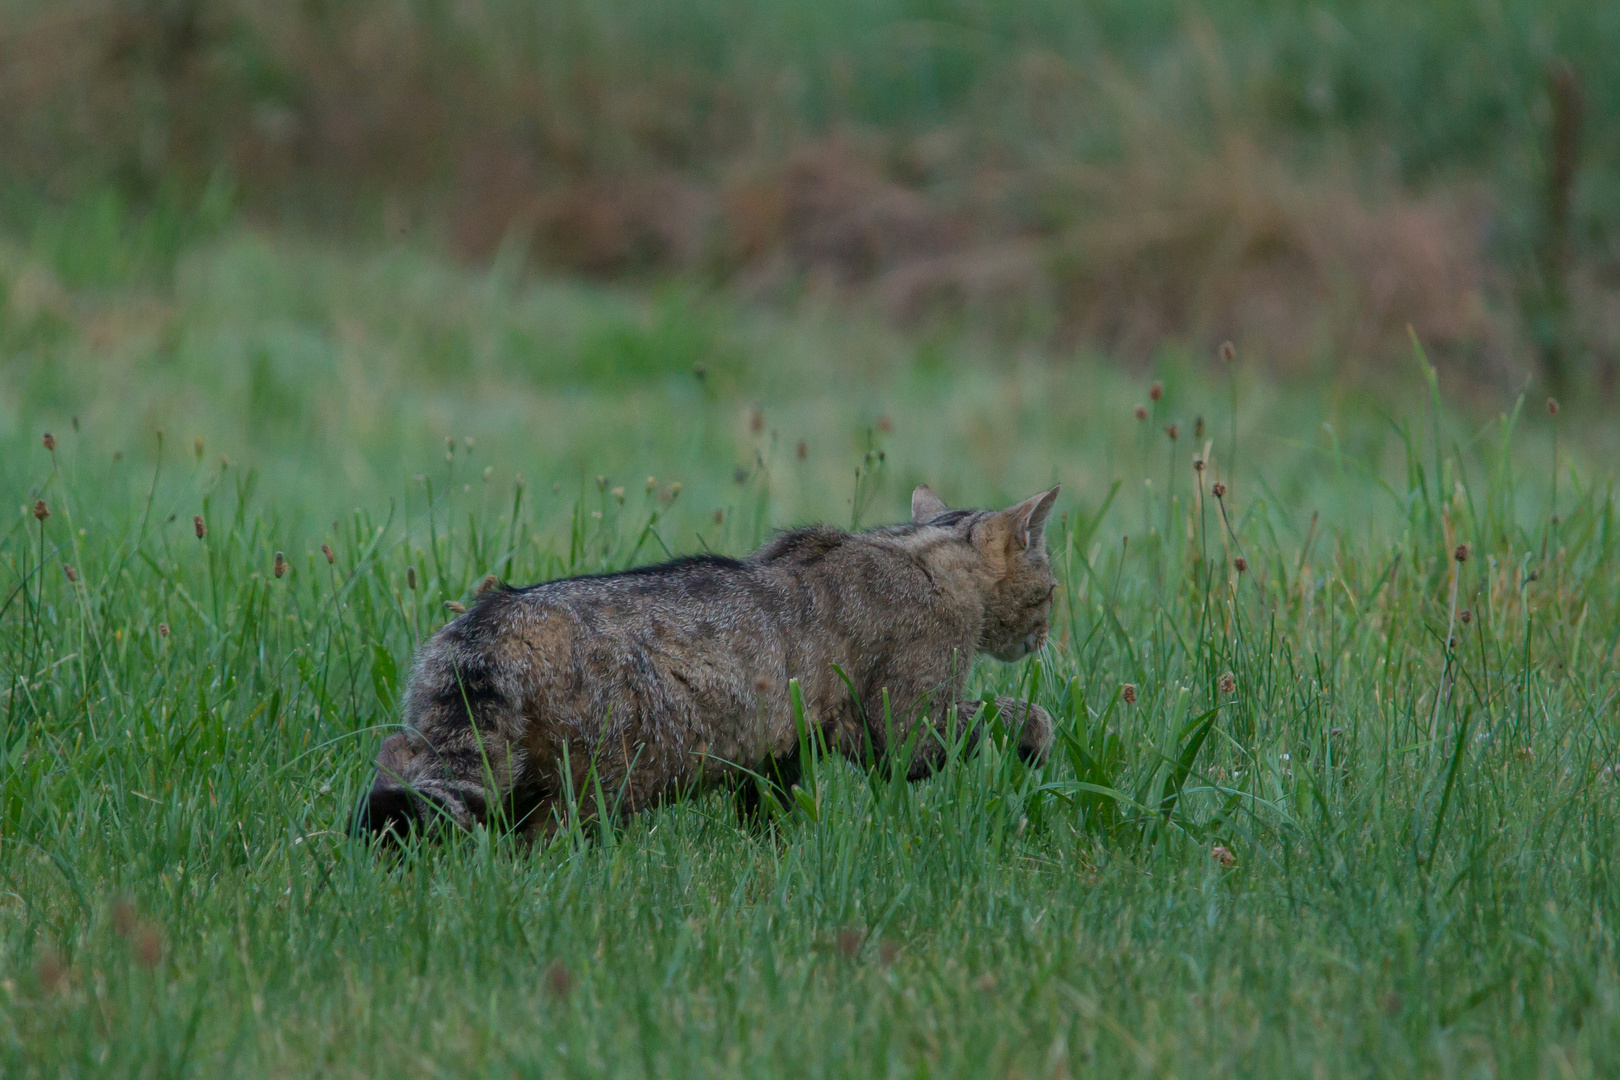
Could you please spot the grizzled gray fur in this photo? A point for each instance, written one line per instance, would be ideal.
(671, 678)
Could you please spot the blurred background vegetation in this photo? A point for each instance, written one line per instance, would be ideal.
(1131, 176)
(331, 308)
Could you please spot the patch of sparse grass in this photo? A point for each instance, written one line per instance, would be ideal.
(1356, 817)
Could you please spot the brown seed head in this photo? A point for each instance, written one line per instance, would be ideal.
(1552, 406)
(279, 565)
(410, 578)
(198, 527)
(50, 971)
(1198, 426)
(986, 983)
(885, 425)
(849, 942)
(489, 584)
(1228, 682)
(50, 442)
(1461, 554)
(326, 549)
(756, 420)
(1156, 391)
(1223, 855)
(455, 606)
(1141, 413)
(1173, 430)
(719, 515)
(163, 629)
(1198, 464)
(1228, 351)
(802, 451)
(1128, 692)
(124, 917)
(41, 511)
(148, 946)
(1466, 616)
(1240, 564)
(1219, 489)
(559, 980)
(72, 574)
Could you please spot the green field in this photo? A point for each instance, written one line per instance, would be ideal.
(1304, 179)
(1421, 835)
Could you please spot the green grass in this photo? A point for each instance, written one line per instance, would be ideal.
(1418, 889)
(181, 110)
(1446, 87)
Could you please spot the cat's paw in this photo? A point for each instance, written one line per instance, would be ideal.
(1031, 723)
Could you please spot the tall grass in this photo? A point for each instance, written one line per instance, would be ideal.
(1447, 86)
(1123, 174)
(1382, 846)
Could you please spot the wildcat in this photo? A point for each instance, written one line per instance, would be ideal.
(671, 678)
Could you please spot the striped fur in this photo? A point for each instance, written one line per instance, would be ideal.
(667, 679)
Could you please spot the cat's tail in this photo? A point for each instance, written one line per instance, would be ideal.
(460, 751)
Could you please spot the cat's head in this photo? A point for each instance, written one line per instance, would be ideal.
(1011, 569)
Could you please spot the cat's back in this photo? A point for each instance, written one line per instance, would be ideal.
(695, 580)
(690, 622)
(681, 604)
(793, 584)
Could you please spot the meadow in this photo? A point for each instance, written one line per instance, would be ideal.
(1348, 809)
(1306, 180)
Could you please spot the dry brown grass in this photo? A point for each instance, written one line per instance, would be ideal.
(607, 165)
(1166, 245)
(1230, 245)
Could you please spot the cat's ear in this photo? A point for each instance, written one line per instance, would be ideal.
(925, 504)
(1026, 522)
(1015, 530)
